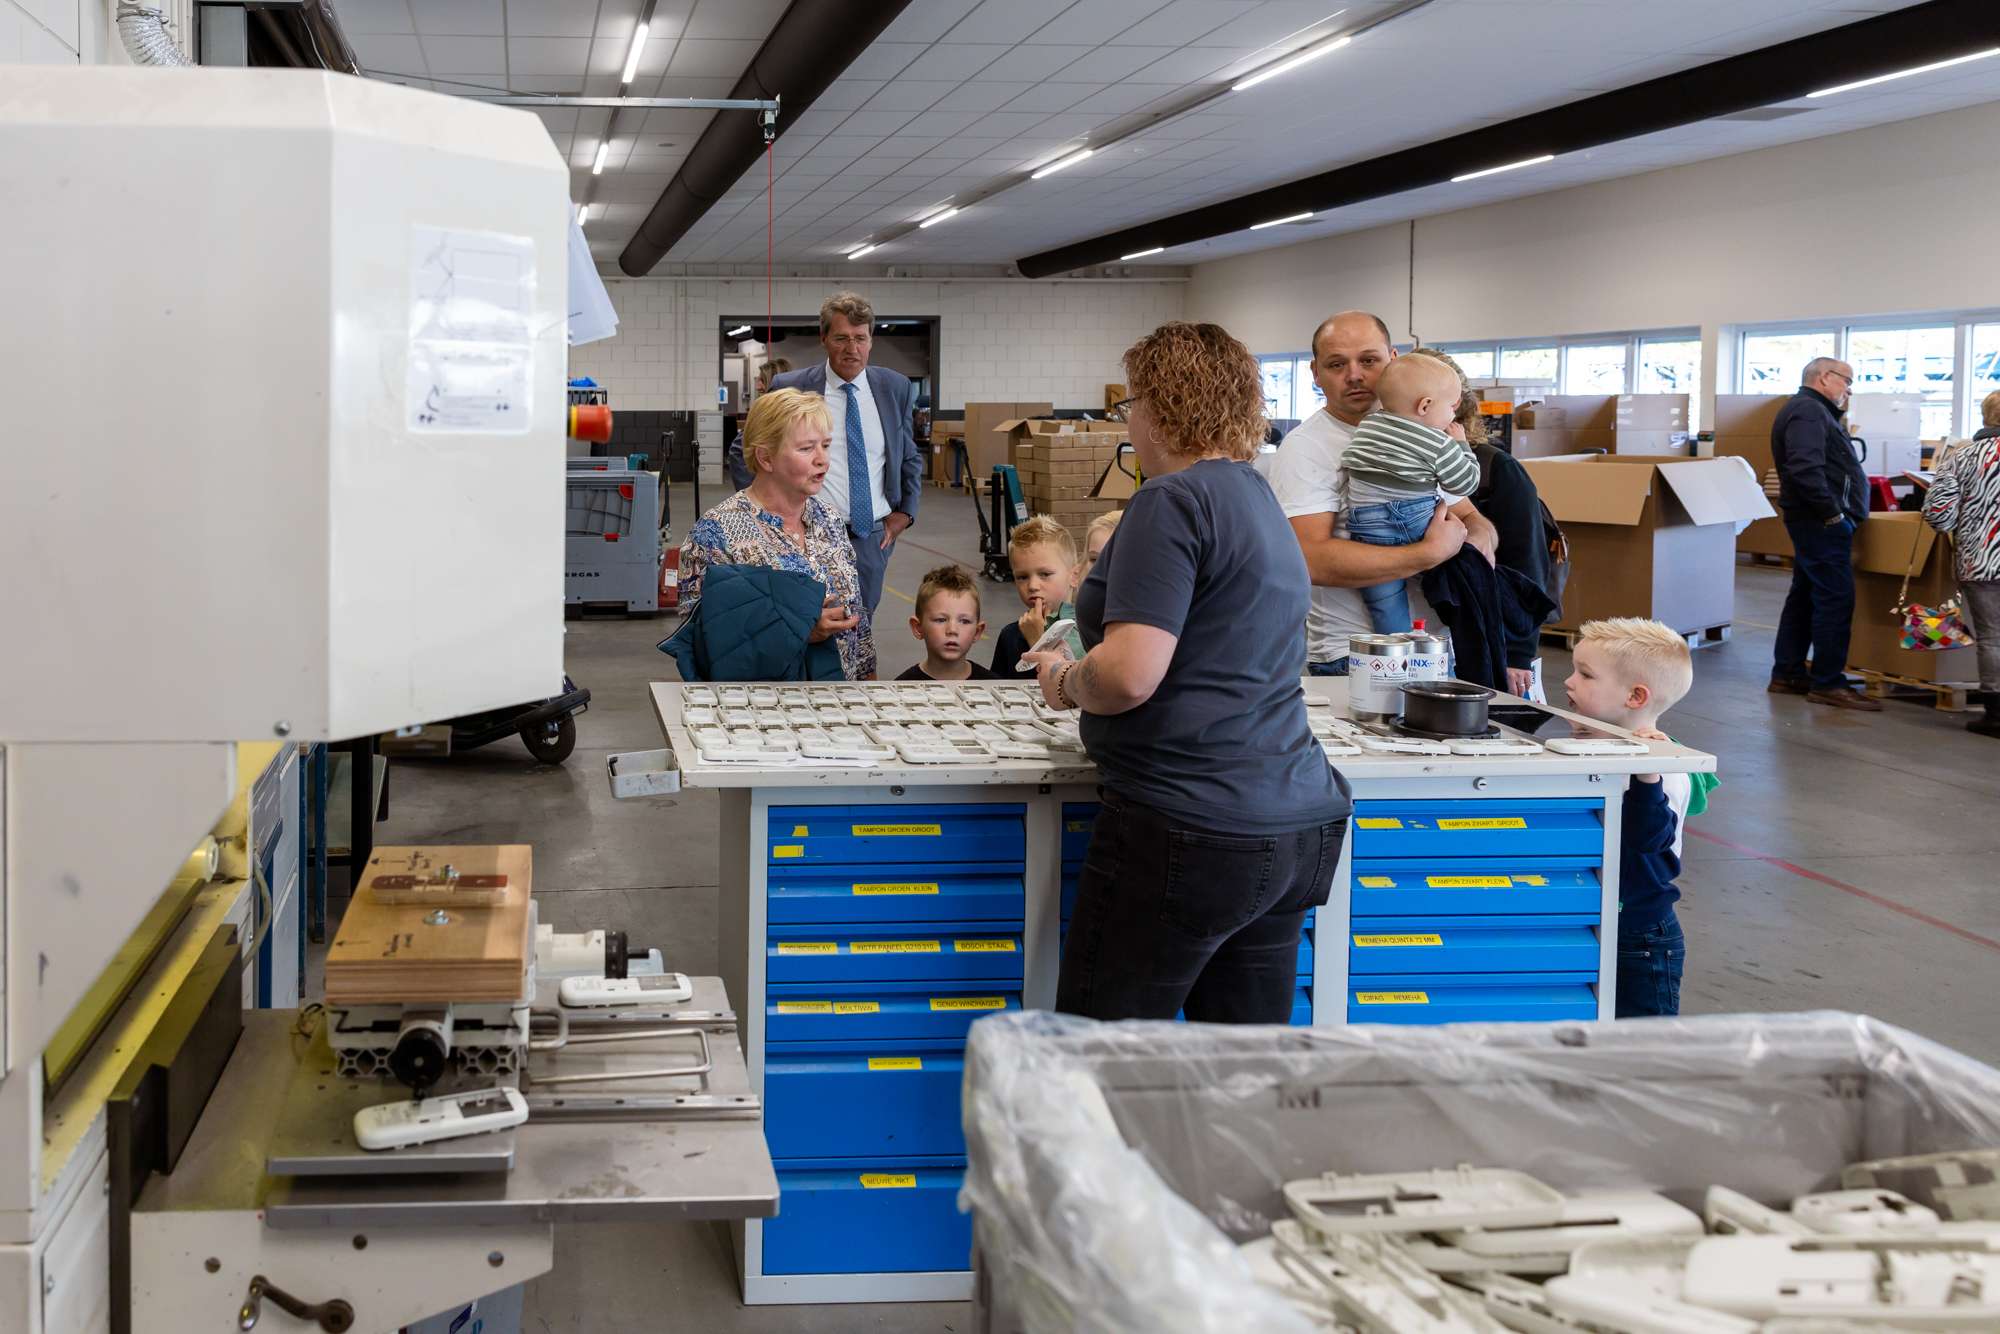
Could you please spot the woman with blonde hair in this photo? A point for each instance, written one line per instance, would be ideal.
(778, 521)
(1220, 822)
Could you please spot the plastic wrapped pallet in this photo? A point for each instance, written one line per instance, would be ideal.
(1114, 1167)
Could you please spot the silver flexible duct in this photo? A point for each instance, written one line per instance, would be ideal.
(144, 32)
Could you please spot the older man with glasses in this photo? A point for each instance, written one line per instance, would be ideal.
(1824, 495)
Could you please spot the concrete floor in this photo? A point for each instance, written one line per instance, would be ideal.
(1843, 864)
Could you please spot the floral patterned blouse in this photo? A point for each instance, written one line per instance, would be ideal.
(739, 531)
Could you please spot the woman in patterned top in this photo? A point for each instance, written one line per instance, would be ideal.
(1965, 502)
(778, 521)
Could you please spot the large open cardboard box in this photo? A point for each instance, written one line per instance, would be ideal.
(1649, 537)
(1886, 546)
(982, 446)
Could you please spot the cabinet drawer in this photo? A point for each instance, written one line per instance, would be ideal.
(945, 893)
(1472, 945)
(1455, 1000)
(1079, 817)
(802, 1014)
(1551, 828)
(1474, 887)
(810, 954)
(1305, 956)
(862, 1103)
(896, 835)
(872, 1219)
(1302, 1008)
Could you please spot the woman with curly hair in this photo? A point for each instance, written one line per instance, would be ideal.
(1220, 823)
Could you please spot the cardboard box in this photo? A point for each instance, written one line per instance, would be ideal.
(1743, 430)
(1653, 442)
(981, 445)
(1053, 431)
(1649, 537)
(1568, 412)
(1652, 412)
(1116, 485)
(1886, 547)
(1747, 415)
(1114, 394)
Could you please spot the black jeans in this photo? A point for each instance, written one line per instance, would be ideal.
(1650, 963)
(1171, 916)
(1819, 611)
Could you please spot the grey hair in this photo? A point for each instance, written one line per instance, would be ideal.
(850, 306)
(1817, 367)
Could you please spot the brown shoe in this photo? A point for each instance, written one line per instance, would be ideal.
(1845, 699)
(1788, 686)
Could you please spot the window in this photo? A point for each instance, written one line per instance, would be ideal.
(1528, 363)
(1594, 368)
(1671, 366)
(1907, 361)
(1983, 372)
(1772, 361)
(1476, 362)
(1278, 375)
(1307, 397)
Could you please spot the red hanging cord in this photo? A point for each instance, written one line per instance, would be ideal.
(770, 241)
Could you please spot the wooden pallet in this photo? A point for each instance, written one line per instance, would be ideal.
(1711, 637)
(1948, 696)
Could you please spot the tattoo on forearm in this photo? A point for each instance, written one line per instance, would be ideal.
(1086, 676)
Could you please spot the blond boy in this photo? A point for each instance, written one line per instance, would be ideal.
(1094, 538)
(949, 623)
(1628, 672)
(1043, 556)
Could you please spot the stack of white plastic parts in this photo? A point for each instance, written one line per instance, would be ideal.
(825, 725)
(1473, 1250)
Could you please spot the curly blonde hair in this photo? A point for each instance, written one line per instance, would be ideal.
(772, 418)
(1201, 387)
(1468, 414)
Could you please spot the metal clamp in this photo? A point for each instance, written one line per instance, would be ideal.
(643, 773)
(335, 1317)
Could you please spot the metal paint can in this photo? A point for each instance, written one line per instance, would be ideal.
(1377, 666)
(1429, 658)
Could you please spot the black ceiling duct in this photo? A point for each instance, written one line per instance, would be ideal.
(811, 46)
(1918, 35)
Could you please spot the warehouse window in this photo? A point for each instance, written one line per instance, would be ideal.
(1594, 368)
(1982, 372)
(1476, 361)
(1528, 363)
(1772, 361)
(1907, 361)
(1279, 374)
(1669, 366)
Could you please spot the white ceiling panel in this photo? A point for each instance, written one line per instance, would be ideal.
(448, 54)
(928, 22)
(712, 57)
(885, 60)
(1186, 21)
(1049, 98)
(956, 60)
(1007, 21)
(548, 56)
(550, 18)
(736, 18)
(981, 96)
(1096, 23)
(1030, 63)
(458, 18)
(908, 95)
(386, 53)
(362, 17)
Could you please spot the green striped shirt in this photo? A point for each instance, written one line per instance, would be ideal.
(1395, 452)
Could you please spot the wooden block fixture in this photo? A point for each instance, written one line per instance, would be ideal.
(435, 925)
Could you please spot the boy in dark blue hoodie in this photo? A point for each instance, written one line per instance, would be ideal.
(1627, 672)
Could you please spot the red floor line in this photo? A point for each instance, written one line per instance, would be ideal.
(1904, 909)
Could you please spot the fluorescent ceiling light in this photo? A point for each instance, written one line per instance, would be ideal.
(858, 253)
(1905, 73)
(597, 166)
(1279, 222)
(632, 60)
(1061, 162)
(1511, 166)
(936, 218)
(582, 211)
(739, 329)
(1290, 63)
(1141, 254)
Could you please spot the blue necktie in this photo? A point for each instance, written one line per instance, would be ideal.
(860, 493)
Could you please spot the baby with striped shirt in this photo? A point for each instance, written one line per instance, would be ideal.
(1397, 468)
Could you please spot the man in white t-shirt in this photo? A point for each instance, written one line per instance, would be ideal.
(1349, 352)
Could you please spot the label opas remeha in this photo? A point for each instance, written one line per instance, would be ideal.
(1371, 942)
(1392, 998)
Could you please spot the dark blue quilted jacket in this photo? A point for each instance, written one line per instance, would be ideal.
(754, 623)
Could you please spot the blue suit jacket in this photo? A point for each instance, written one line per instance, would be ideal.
(894, 395)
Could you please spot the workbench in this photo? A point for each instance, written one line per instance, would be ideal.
(869, 913)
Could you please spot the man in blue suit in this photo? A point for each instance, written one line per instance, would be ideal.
(874, 475)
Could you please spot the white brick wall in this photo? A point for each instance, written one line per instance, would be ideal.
(1001, 340)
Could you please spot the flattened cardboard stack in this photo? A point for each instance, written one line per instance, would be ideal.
(1565, 424)
(1743, 430)
(1653, 424)
(1059, 463)
(392, 953)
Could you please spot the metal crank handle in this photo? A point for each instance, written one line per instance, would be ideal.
(335, 1317)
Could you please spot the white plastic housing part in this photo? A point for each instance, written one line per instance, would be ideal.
(223, 515)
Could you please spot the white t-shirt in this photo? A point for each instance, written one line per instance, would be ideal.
(1307, 479)
(834, 492)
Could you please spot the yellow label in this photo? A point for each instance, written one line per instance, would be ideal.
(812, 947)
(895, 947)
(1531, 880)
(857, 1007)
(927, 887)
(1494, 822)
(888, 1181)
(785, 850)
(1468, 882)
(898, 830)
(1377, 882)
(799, 831)
(805, 1007)
(1377, 822)
(968, 1002)
(1078, 826)
(895, 1062)
(982, 947)
(1392, 998)
(1365, 942)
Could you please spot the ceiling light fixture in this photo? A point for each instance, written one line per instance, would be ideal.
(1061, 162)
(1279, 222)
(632, 60)
(936, 218)
(1511, 166)
(1141, 254)
(582, 211)
(1905, 73)
(603, 149)
(858, 253)
(738, 331)
(1290, 63)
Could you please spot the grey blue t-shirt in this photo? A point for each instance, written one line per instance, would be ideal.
(1206, 555)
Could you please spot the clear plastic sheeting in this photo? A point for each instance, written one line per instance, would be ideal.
(1114, 1168)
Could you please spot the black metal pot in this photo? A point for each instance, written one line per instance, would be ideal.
(1447, 708)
